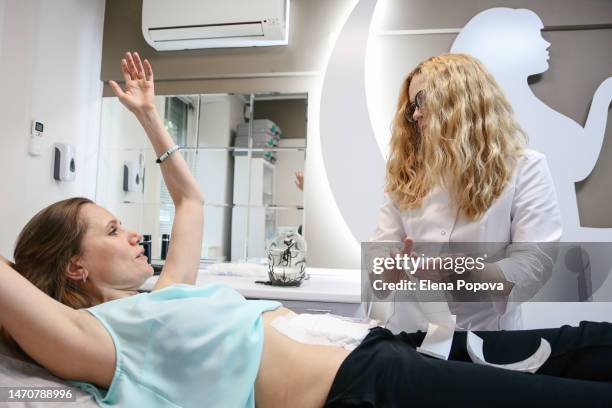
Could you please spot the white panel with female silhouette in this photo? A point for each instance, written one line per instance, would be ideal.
(509, 42)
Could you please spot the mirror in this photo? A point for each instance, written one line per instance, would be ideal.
(244, 150)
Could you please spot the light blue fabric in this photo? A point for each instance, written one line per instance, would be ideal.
(183, 346)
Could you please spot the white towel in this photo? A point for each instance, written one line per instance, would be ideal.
(324, 329)
(529, 365)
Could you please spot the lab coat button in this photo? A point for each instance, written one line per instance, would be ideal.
(443, 232)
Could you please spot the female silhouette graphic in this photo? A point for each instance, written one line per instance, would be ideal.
(509, 42)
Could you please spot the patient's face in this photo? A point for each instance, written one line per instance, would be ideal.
(111, 253)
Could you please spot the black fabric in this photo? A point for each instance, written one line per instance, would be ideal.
(386, 371)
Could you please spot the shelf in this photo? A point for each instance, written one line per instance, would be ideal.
(272, 207)
(211, 148)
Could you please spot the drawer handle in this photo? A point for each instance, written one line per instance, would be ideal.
(318, 310)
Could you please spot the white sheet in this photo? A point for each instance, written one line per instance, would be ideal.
(324, 329)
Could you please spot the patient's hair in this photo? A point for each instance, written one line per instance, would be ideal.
(471, 140)
(44, 248)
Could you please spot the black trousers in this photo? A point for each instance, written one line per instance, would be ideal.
(386, 371)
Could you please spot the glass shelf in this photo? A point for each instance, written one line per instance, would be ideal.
(206, 128)
(222, 205)
(211, 148)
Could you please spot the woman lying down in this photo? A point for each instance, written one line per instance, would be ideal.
(70, 301)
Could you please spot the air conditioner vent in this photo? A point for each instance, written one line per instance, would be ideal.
(190, 24)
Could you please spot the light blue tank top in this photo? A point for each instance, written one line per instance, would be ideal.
(183, 346)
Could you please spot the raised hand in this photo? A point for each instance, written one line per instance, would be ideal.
(395, 274)
(391, 275)
(139, 94)
(299, 180)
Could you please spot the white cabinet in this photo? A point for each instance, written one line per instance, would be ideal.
(251, 211)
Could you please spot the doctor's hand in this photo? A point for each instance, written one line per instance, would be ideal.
(395, 274)
(436, 274)
(391, 275)
(139, 94)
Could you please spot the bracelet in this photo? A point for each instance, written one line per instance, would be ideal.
(167, 154)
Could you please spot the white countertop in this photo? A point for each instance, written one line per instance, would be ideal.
(324, 285)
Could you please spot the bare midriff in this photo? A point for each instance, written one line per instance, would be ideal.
(291, 374)
(294, 374)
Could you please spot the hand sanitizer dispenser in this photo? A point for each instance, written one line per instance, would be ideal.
(64, 168)
(131, 176)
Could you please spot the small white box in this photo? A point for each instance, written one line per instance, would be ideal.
(64, 166)
(131, 176)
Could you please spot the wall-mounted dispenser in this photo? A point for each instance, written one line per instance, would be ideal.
(131, 176)
(64, 168)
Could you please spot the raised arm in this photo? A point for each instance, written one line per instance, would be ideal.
(183, 257)
(595, 128)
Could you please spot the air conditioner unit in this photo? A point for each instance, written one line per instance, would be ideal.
(190, 24)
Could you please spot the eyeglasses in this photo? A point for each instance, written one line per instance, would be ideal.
(419, 102)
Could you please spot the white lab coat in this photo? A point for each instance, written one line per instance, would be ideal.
(526, 211)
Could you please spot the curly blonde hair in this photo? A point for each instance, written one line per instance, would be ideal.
(471, 142)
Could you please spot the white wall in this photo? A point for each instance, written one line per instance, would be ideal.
(2, 6)
(50, 53)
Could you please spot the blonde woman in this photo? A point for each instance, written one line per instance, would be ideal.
(459, 170)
